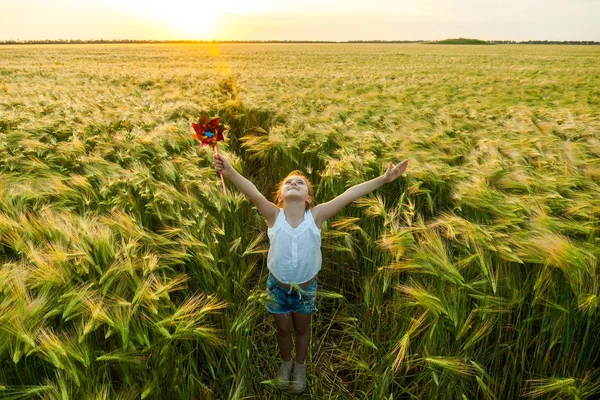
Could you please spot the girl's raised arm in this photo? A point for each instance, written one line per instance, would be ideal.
(327, 210)
(266, 208)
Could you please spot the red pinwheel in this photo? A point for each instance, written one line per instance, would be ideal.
(209, 132)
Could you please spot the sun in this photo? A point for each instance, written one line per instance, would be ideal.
(197, 19)
(187, 19)
(191, 21)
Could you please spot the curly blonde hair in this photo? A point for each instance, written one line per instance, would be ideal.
(311, 192)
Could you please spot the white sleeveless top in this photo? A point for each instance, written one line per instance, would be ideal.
(294, 253)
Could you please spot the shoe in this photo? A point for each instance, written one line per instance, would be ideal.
(283, 375)
(299, 378)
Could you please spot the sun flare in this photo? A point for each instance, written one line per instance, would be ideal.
(187, 19)
(198, 23)
(199, 19)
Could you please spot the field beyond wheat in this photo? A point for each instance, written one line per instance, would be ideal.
(126, 273)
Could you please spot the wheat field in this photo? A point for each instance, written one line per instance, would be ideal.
(126, 273)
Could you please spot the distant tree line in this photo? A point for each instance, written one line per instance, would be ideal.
(137, 41)
(131, 41)
(574, 42)
(460, 41)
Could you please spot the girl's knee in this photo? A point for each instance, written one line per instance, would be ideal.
(302, 331)
(284, 331)
(301, 323)
(283, 324)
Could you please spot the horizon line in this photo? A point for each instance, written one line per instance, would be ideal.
(197, 41)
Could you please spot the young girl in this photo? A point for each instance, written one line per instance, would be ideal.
(294, 258)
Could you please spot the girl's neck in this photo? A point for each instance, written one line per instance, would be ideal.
(294, 209)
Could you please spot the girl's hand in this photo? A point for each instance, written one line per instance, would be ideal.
(222, 164)
(394, 173)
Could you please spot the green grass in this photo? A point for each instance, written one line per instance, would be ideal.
(126, 273)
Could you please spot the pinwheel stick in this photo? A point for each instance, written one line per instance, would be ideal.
(221, 173)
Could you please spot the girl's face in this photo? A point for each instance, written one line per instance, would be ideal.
(295, 188)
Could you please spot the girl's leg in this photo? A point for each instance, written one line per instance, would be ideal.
(284, 325)
(302, 328)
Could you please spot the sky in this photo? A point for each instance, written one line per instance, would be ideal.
(331, 20)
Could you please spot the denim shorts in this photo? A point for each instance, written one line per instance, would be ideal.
(282, 301)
